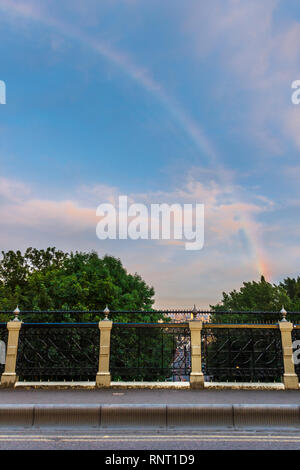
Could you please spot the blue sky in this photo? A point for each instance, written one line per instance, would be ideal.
(164, 102)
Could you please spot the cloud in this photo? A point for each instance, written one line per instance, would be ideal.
(291, 121)
(234, 233)
(263, 57)
(68, 224)
(13, 191)
(21, 207)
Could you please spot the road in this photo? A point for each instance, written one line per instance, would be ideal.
(147, 440)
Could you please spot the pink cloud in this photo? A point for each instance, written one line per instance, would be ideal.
(180, 278)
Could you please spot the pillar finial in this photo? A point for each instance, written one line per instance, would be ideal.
(16, 313)
(194, 313)
(283, 313)
(106, 312)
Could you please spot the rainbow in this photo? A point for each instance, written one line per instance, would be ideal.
(141, 76)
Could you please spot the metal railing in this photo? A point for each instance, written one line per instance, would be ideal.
(165, 350)
(58, 352)
(176, 314)
(239, 354)
(150, 352)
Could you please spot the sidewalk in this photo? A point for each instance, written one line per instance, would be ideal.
(145, 396)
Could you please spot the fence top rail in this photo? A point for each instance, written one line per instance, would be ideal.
(241, 325)
(152, 325)
(111, 312)
(148, 312)
(149, 325)
(93, 324)
(60, 324)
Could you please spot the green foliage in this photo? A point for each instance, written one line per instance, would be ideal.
(254, 296)
(53, 280)
(292, 288)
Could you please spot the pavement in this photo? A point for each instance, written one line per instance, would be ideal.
(145, 396)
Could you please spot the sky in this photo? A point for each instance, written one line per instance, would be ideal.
(165, 102)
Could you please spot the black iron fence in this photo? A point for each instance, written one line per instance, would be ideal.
(150, 352)
(69, 350)
(58, 352)
(242, 354)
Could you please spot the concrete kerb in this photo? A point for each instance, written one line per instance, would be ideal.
(266, 416)
(66, 415)
(16, 415)
(153, 385)
(222, 416)
(117, 416)
(200, 416)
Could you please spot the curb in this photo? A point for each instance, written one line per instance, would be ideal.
(224, 416)
(150, 385)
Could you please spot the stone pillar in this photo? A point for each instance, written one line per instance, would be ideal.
(196, 377)
(9, 378)
(103, 377)
(290, 379)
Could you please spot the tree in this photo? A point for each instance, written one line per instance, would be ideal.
(253, 296)
(292, 288)
(49, 280)
(53, 280)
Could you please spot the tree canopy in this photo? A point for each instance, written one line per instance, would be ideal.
(54, 280)
(260, 296)
(256, 297)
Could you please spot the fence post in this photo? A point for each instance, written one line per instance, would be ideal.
(196, 377)
(103, 377)
(9, 378)
(290, 378)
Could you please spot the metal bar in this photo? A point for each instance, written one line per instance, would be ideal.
(174, 312)
(152, 325)
(240, 325)
(60, 325)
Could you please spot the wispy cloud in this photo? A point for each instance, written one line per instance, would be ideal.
(70, 225)
(263, 58)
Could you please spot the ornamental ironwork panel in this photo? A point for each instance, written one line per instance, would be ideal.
(150, 353)
(242, 355)
(296, 350)
(3, 345)
(66, 352)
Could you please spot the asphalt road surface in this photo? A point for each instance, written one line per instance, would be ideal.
(146, 440)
